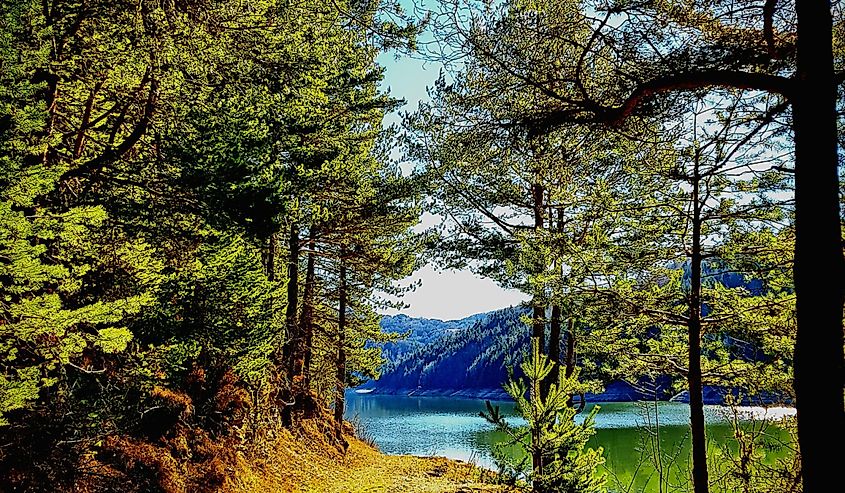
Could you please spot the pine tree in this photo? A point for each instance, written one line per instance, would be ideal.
(551, 438)
(636, 59)
(156, 159)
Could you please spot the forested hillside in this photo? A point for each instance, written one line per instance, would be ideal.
(195, 208)
(418, 332)
(469, 362)
(473, 361)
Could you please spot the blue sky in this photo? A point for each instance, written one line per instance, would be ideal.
(447, 294)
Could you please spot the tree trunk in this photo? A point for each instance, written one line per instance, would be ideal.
(554, 337)
(554, 348)
(294, 338)
(537, 462)
(569, 361)
(700, 481)
(555, 325)
(570, 347)
(538, 323)
(538, 332)
(536, 387)
(292, 335)
(555, 322)
(271, 258)
(819, 268)
(340, 397)
(307, 321)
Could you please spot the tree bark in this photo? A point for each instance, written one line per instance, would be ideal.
(570, 348)
(819, 267)
(538, 336)
(569, 367)
(700, 481)
(271, 258)
(307, 321)
(554, 337)
(293, 336)
(340, 378)
(538, 323)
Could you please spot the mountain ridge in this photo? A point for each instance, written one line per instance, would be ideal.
(470, 357)
(422, 331)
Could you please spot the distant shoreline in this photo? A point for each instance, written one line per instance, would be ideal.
(491, 394)
(613, 393)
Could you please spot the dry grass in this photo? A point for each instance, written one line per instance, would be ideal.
(306, 462)
(177, 455)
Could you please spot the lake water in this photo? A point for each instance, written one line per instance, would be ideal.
(451, 427)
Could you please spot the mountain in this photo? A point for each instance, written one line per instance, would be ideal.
(470, 359)
(467, 361)
(421, 332)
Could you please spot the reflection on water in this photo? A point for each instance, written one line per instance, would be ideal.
(452, 427)
(424, 425)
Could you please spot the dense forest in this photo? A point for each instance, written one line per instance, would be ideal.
(473, 360)
(469, 361)
(416, 333)
(196, 207)
(203, 214)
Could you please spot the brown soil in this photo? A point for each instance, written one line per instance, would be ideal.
(305, 462)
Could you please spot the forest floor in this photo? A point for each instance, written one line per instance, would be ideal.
(366, 470)
(306, 462)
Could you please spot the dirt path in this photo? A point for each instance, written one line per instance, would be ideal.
(366, 470)
(305, 461)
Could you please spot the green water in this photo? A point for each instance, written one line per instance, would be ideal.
(451, 427)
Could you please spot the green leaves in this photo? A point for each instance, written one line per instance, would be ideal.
(113, 339)
(148, 151)
(18, 390)
(550, 434)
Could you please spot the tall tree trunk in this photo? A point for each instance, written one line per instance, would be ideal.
(307, 320)
(570, 347)
(554, 338)
(819, 368)
(700, 481)
(538, 322)
(555, 322)
(554, 348)
(294, 337)
(569, 359)
(559, 265)
(271, 258)
(536, 387)
(539, 390)
(340, 378)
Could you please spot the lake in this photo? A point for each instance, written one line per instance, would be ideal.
(451, 427)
